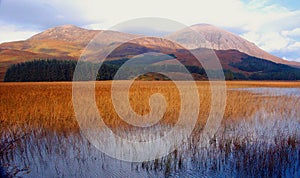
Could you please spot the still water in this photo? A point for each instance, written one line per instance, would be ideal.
(267, 145)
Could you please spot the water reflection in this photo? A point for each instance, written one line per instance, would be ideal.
(267, 145)
(272, 91)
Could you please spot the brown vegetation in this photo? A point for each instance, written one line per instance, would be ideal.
(262, 146)
(49, 105)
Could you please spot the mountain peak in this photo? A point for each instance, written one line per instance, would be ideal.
(202, 25)
(209, 28)
(68, 33)
(67, 26)
(219, 39)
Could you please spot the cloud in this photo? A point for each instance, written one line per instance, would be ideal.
(272, 25)
(271, 41)
(13, 33)
(292, 33)
(108, 13)
(41, 14)
(273, 28)
(293, 47)
(290, 52)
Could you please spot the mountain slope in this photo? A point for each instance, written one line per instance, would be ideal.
(69, 33)
(63, 42)
(245, 68)
(220, 39)
(68, 42)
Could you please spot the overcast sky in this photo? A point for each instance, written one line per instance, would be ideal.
(273, 25)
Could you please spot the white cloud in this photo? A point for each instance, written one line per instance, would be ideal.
(293, 47)
(100, 14)
(111, 12)
(292, 33)
(290, 52)
(271, 41)
(291, 59)
(271, 26)
(263, 20)
(14, 33)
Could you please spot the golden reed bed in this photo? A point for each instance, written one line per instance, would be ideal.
(49, 105)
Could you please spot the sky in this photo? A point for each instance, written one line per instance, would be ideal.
(273, 25)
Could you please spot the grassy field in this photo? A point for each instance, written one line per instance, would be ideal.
(50, 104)
(38, 120)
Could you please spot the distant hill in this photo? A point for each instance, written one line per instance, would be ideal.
(220, 39)
(63, 70)
(67, 43)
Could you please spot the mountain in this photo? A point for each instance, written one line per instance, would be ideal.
(220, 39)
(68, 33)
(63, 42)
(243, 67)
(68, 42)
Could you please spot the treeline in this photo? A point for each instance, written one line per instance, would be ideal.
(41, 70)
(55, 70)
(63, 70)
(261, 69)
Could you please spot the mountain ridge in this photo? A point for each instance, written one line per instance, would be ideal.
(220, 39)
(68, 42)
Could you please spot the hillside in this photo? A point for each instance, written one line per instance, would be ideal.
(220, 39)
(247, 68)
(68, 42)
